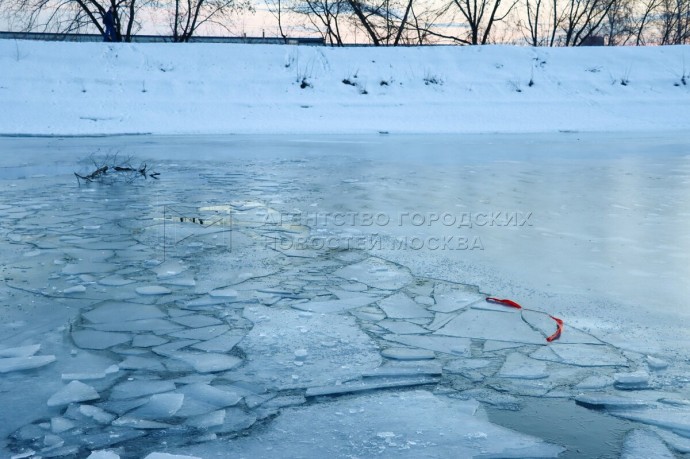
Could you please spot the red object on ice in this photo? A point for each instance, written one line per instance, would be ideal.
(510, 303)
(556, 335)
(513, 304)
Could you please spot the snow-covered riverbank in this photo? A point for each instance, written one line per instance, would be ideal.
(97, 88)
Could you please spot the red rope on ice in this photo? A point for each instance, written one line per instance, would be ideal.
(510, 303)
(559, 329)
(513, 304)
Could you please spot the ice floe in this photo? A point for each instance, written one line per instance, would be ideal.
(401, 306)
(631, 381)
(23, 351)
(73, 392)
(609, 401)
(376, 273)
(208, 362)
(117, 311)
(152, 290)
(584, 355)
(492, 325)
(24, 363)
(406, 353)
(520, 366)
(644, 444)
(409, 424)
(337, 349)
(93, 339)
(445, 344)
(677, 420)
(139, 388)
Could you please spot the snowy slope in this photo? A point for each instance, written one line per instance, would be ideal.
(96, 88)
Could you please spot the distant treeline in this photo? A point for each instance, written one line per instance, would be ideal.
(378, 22)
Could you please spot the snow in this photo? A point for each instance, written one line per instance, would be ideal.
(256, 89)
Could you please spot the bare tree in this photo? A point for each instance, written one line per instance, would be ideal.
(325, 18)
(481, 16)
(365, 15)
(278, 8)
(68, 16)
(189, 15)
(582, 19)
(533, 10)
(540, 22)
(383, 22)
(644, 18)
(674, 22)
(420, 24)
(619, 23)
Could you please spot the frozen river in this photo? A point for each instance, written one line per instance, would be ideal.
(304, 297)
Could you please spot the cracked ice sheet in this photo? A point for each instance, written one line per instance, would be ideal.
(445, 344)
(376, 273)
(492, 325)
(336, 349)
(336, 306)
(401, 306)
(544, 323)
(674, 419)
(411, 424)
(520, 366)
(584, 355)
(642, 444)
(250, 260)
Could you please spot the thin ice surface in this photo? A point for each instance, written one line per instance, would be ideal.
(329, 348)
(411, 424)
(442, 337)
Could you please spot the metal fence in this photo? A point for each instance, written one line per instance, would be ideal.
(92, 37)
